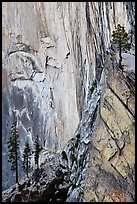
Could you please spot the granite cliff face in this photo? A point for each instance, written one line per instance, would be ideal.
(61, 82)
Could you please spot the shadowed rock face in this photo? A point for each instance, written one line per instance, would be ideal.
(48, 183)
(60, 83)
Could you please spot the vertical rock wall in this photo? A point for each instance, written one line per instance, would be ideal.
(51, 51)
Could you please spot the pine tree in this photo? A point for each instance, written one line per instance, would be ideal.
(26, 158)
(13, 145)
(37, 150)
(121, 38)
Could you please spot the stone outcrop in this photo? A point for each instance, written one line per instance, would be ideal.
(60, 81)
(111, 170)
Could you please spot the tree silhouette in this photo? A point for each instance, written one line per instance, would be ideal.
(26, 158)
(13, 145)
(121, 38)
(36, 151)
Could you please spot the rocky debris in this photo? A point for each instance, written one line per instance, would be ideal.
(48, 183)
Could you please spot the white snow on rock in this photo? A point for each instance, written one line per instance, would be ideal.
(39, 77)
(129, 61)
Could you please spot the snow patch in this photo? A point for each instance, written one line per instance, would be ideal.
(39, 77)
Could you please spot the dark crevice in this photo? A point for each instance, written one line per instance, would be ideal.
(113, 138)
(107, 15)
(94, 115)
(118, 172)
(88, 18)
(108, 128)
(126, 107)
(108, 105)
(112, 156)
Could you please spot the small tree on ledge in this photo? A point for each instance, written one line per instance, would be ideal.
(36, 151)
(26, 158)
(121, 38)
(13, 145)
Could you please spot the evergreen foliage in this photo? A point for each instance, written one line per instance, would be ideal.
(36, 151)
(121, 38)
(13, 146)
(26, 158)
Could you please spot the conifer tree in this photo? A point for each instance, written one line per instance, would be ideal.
(37, 150)
(13, 145)
(121, 38)
(26, 158)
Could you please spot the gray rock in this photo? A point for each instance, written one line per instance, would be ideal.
(74, 196)
(71, 106)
